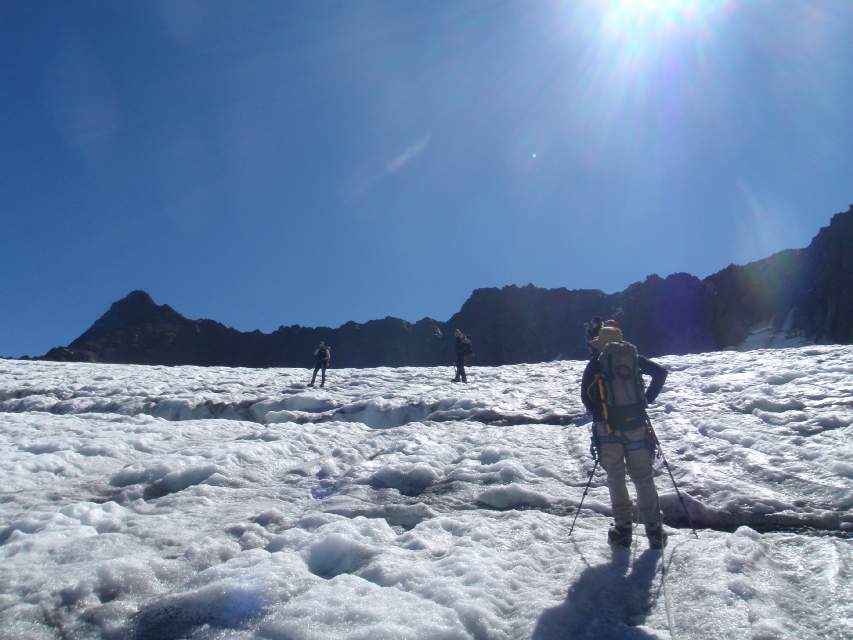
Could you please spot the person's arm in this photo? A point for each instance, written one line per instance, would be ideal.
(658, 375)
(586, 381)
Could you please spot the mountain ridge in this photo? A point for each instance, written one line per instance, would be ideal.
(804, 292)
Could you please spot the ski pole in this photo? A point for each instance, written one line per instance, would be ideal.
(671, 477)
(586, 488)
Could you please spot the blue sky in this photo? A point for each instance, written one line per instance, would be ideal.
(271, 163)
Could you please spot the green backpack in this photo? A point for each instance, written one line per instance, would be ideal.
(621, 386)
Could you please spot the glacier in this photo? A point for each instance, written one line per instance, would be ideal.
(206, 503)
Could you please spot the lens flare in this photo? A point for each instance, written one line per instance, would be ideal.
(642, 18)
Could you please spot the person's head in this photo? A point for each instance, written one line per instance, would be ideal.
(612, 323)
(592, 328)
(322, 343)
(607, 335)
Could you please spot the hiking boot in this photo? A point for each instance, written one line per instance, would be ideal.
(657, 538)
(620, 536)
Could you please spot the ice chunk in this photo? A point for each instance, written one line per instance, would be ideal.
(410, 480)
(337, 553)
(353, 609)
(513, 496)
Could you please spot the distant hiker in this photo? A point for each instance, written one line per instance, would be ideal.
(463, 349)
(322, 356)
(592, 329)
(612, 390)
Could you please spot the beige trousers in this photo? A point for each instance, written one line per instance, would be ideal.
(616, 459)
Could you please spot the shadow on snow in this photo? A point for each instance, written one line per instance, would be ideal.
(605, 602)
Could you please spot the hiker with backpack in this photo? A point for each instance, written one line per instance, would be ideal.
(322, 357)
(463, 350)
(612, 390)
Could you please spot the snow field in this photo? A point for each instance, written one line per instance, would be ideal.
(156, 502)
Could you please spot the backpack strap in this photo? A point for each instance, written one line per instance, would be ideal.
(601, 385)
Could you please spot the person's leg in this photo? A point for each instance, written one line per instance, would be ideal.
(314, 377)
(639, 464)
(612, 458)
(458, 369)
(462, 369)
(323, 379)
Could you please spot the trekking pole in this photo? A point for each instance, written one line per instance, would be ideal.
(586, 488)
(671, 477)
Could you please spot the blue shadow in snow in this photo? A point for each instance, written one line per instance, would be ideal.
(605, 602)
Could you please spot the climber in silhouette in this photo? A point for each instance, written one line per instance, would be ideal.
(322, 356)
(463, 349)
(592, 329)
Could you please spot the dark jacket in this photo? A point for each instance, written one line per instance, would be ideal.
(592, 332)
(592, 402)
(323, 354)
(463, 346)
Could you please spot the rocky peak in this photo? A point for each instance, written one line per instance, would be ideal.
(825, 309)
(136, 308)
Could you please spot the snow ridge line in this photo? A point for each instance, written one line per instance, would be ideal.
(371, 413)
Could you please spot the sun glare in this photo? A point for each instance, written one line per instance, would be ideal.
(656, 17)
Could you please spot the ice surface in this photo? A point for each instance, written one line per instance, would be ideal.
(157, 502)
(765, 336)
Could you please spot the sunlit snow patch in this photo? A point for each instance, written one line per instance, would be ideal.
(157, 502)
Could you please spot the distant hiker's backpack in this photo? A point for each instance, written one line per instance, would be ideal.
(467, 349)
(620, 386)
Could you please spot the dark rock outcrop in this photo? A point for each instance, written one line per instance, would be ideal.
(137, 330)
(744, 296)
(807, 292)
(824, 301)
(529, 324)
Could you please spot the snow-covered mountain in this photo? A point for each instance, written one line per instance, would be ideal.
(189, 502)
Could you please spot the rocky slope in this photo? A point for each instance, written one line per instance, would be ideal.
(806, 292)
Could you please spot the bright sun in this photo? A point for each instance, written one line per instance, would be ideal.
(625, 17)
(657, 8)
